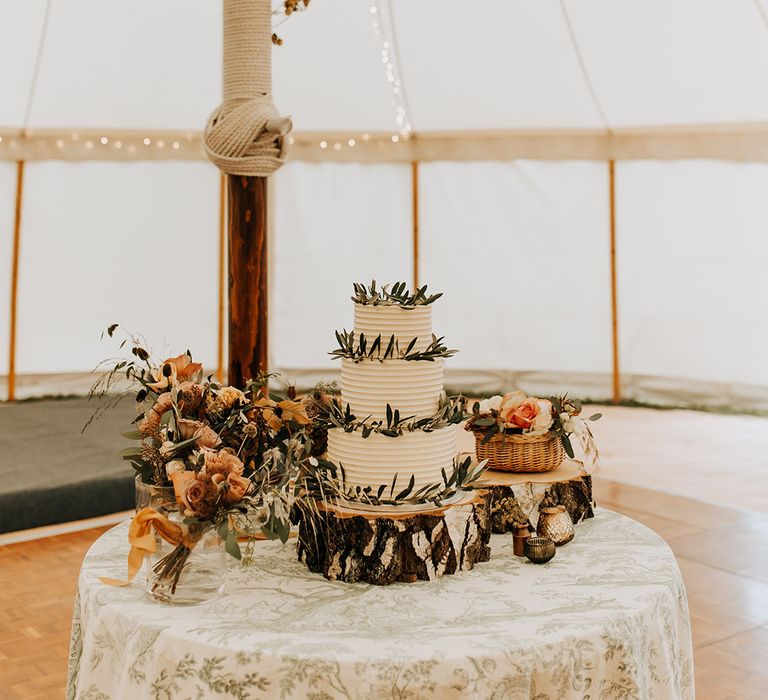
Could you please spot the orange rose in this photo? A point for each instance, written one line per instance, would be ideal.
(181, 479)
(238, 488)
(222, 462)
(173, 370)
(513, 399)
(522, 415)
(194, 495)
(204, 435)
(183, 366)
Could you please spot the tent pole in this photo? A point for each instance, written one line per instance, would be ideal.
(244, 138)
(415, 215)
(614, 299)
(222, 276)
(15, 280)
(248, 286)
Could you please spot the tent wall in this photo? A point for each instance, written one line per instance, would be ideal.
(333, 225)
(692, 252)
(520, 248)
(7, 209)
(105, 243)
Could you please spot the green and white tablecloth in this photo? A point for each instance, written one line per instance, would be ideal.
(606, 618)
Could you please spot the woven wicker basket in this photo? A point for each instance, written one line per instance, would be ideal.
(520, 453)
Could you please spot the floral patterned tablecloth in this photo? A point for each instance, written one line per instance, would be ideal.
(606, 618)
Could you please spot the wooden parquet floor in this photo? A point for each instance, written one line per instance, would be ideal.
(722, 553)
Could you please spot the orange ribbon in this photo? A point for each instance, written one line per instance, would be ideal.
(142, 540)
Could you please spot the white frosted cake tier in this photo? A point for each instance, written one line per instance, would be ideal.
(404, 324)
(413, 388)
(375, 460)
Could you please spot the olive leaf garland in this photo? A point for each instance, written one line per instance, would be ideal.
(360, 350)
(397, 295)
(451, 411)
(327, 480)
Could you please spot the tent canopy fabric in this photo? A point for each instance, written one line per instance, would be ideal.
(513, 64)
(515, 109)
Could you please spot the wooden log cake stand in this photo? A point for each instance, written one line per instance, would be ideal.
(386, 546)
(516, 498)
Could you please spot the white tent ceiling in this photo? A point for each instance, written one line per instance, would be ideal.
(465, 66)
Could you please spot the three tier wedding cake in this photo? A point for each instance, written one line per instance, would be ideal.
(395, 428)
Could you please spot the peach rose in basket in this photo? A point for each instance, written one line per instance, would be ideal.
(521, 415)
(543, 422)
(513, 399)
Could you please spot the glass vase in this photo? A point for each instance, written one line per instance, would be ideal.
(178, 575)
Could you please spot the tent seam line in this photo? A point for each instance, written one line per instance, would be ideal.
(38, 62)
(583, 67)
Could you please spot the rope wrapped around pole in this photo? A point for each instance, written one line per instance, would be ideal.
(246, 135)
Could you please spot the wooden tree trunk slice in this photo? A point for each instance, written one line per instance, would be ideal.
(517, 498)
(385, 547)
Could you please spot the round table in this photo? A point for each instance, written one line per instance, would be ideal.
(606, 618)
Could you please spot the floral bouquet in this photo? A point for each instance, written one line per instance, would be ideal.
(230, 456)
(517, 432)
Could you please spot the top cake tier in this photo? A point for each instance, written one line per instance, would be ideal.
(404, 324)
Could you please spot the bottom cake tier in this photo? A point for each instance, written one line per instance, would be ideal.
(375, 460)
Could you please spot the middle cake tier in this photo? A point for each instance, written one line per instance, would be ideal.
(375, 460)
(413, 388)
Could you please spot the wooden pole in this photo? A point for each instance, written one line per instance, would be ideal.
(15, 281)
(248, 287)
(247, 76)
(222, 276)
(415, 215)
(614, 295)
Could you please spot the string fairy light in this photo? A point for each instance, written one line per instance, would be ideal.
(84, 144)
(76, 145)
(384, 30)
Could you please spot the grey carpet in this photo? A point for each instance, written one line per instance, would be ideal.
(51, 473)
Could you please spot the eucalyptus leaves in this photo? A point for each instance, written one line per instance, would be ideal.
(361, 349)
(397, 295)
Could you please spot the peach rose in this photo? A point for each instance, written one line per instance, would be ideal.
(513, 399)
(179, 368)
(522, 415)
(238, 488)
(205, 435)
(181, 480)
(222, 462)
(183, 366)
(194, 495)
